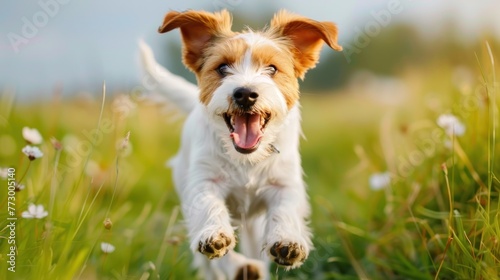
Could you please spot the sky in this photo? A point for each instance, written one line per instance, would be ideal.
(76, 44)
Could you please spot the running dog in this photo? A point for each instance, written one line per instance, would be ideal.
(239, 168)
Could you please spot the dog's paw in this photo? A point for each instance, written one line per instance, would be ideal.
(288, 254)
(249, 272)
(216, 246)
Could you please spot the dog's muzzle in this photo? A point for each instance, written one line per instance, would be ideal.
(246, 125)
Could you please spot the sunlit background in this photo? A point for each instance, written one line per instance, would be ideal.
(399, 154)
(77, 44)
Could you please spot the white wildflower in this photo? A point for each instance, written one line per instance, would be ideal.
(107, 248)
(35, 211)
(380, 180)
(4, 172)
(32, 136)
(451, 125)
(20, 187)
(32, 152)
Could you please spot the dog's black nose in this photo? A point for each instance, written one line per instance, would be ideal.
(245, 97)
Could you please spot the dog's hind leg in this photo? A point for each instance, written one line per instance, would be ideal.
(251, 264)
(250, 238)
(251, 235)
(205, 268)
(236, 266)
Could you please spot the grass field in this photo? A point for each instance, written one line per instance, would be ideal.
(433, 215)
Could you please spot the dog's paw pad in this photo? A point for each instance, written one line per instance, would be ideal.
(287, 254)
(248, 272)
(215, 246)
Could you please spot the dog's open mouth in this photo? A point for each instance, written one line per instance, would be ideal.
(246, 130)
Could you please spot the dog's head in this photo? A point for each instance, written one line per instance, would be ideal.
(249, 81)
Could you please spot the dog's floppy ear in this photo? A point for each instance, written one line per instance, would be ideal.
(307, 37)
(197, 29)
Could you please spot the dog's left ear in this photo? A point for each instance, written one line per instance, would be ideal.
(307, 37)
(198, 28)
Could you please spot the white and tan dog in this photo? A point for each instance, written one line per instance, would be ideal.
(239, 164)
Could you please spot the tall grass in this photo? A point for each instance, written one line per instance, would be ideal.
(437, 219)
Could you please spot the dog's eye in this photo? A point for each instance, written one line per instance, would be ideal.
(271, 69)
(223, 69)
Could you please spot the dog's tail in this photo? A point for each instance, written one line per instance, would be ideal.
(176, 89)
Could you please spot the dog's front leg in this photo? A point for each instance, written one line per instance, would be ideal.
(208, 218)
(287, 238)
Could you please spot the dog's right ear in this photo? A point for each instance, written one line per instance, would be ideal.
(198, 28)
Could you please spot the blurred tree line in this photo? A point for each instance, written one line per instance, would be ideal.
(397, 47)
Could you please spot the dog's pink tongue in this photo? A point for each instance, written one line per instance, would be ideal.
(247, 131)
